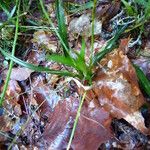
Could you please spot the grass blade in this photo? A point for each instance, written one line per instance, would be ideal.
(109, 47)
(76, 121)
(61, 59)
(92, 37)
(12, 54)
(144, 82)
(130, 10)
(61, 24)
(52, 25)
(4, 7)
(83, 7)
(12, 12)
(82, 51)
(38, 68)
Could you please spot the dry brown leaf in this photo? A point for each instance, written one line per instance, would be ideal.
(43, 38)
(18, 74)
(83, 25)
(107, 10)
(116, 89)
(35, 57)
(12, 109)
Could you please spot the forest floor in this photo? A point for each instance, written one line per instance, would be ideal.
(75, 75)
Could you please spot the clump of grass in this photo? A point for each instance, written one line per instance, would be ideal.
(139, 11)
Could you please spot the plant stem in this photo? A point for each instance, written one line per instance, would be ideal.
(76, 121)
(13, 52)
(52, 25)
(11, 19)
(92, 37)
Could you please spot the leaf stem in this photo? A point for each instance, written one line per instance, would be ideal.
(52, 25)
(92, 37)
(76, 121)
(13, 52)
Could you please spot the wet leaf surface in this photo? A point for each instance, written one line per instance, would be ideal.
(18, 74)
(90, 127)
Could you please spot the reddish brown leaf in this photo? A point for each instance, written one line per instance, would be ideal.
(116, 89)
(90, 132)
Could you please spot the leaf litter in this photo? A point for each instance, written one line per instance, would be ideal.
(111, 110)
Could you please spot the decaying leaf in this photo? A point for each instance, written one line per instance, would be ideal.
(36, 56)
(18, 74)
(115, 94)
(117, 91)
(107, 10)
(83, 25)
(90, 132)
(12, 109)
(45, 39)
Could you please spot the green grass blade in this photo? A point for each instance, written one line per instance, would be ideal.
(83, 7)
(81, 65)
(12, 12)
(129, 9)
(144, 82)
(82, 51)
(61, 59)
(76, 121)
(12, 54)
(61, 24)
(78, 63)
(52, 25)
(92, 37)
(10, 20)
(38, 68)
(109, 47)
(4, 7)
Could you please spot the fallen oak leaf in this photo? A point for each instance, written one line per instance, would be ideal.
(116, 89)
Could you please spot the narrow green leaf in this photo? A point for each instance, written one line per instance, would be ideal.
(81, 64)
(52, 25)
(61, 24)
(38, 68)
(129, 8)
(83, 7)
(82, 51)
(144, 82)
(12, 54)
(109, 47)
(61, 59)
(12, 12)
(4, 7)
(78, 63)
